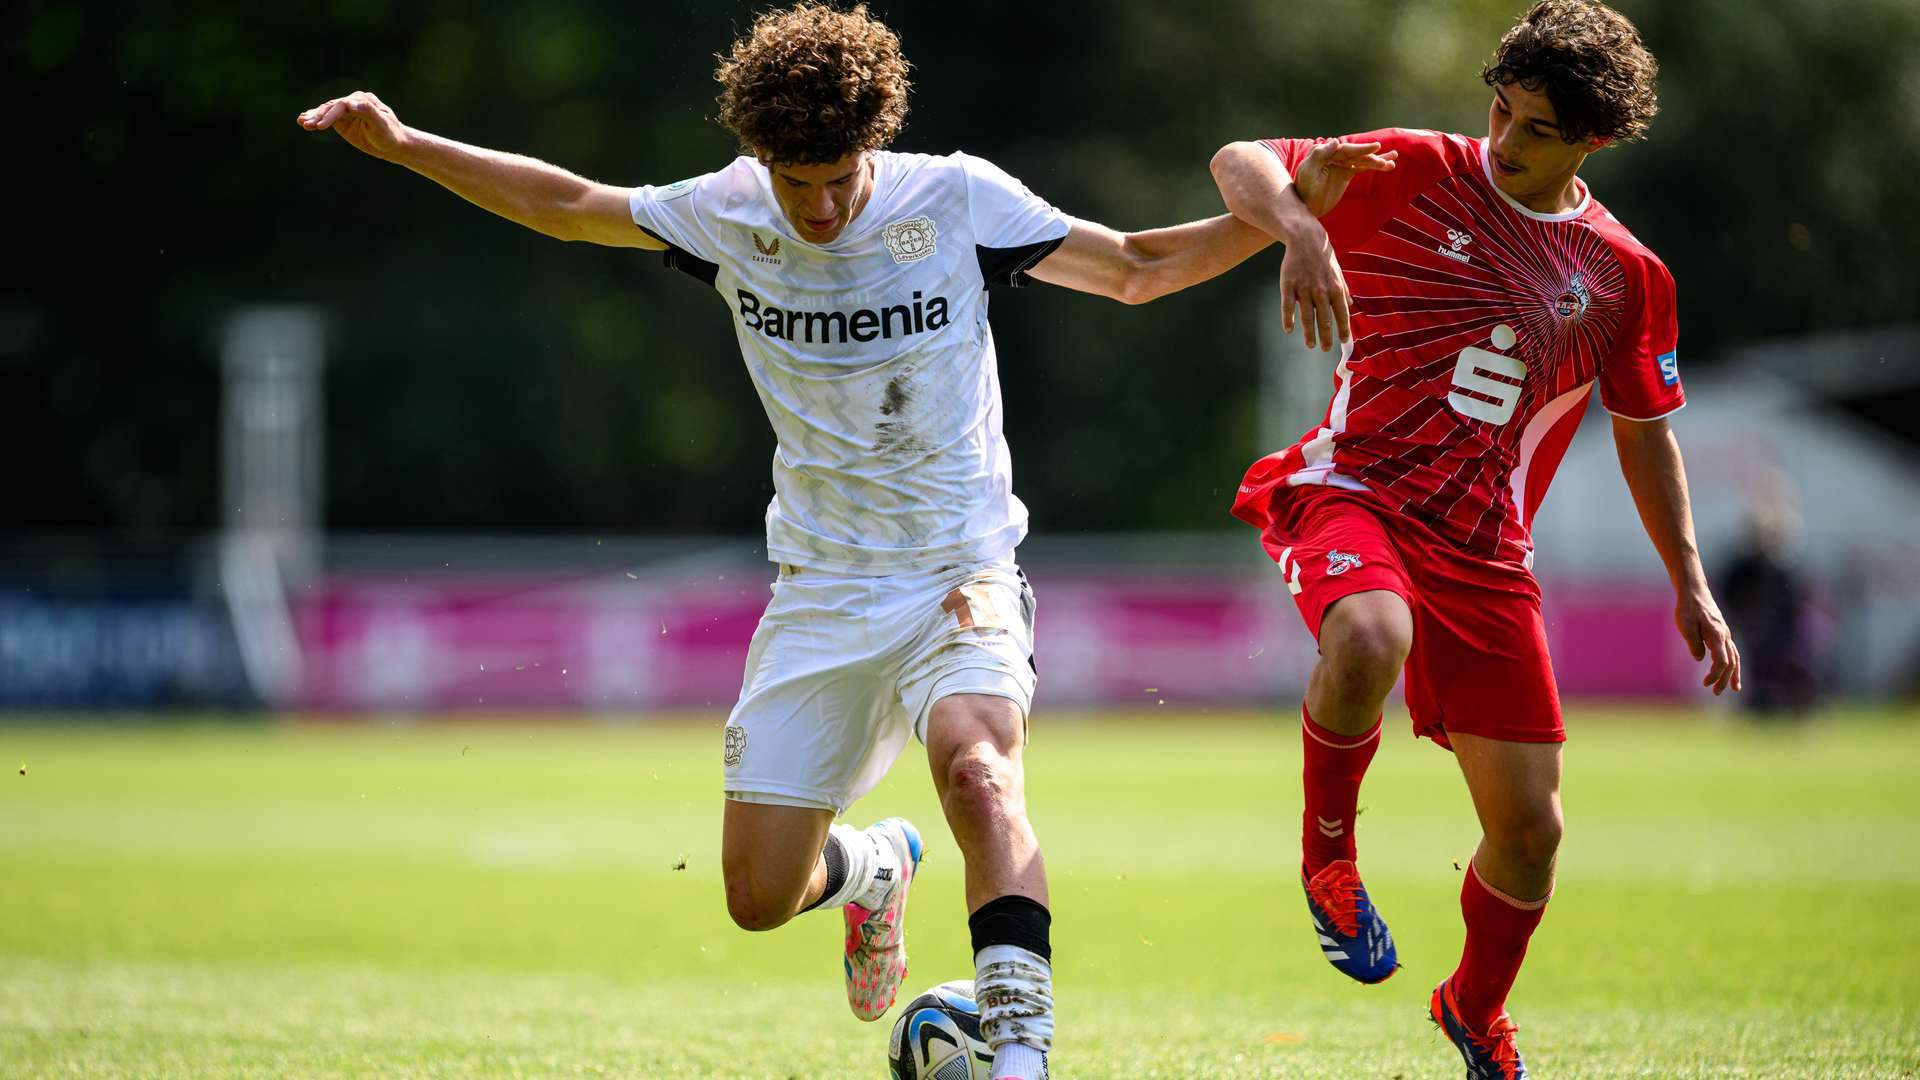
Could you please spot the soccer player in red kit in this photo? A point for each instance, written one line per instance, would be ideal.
(1489, 292)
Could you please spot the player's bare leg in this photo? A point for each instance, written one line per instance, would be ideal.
(770, 860)
(1516, 793)
(974, 745)
(778, 861)
(1364, 641)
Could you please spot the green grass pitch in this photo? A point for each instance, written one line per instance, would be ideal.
(544, 900)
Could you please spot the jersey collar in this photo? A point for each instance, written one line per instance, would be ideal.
(1586, 195)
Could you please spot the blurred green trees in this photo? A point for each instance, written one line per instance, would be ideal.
(483, 377)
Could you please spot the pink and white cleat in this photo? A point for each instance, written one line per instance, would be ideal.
(876, 960)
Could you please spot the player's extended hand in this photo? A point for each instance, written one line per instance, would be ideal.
(361, 119)
(1323, 177)
(1312, 285)
(1706, 635)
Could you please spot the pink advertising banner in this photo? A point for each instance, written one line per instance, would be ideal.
(624, 643)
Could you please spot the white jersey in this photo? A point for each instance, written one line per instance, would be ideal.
(872, 354)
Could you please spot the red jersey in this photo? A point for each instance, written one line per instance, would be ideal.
(1479, 328)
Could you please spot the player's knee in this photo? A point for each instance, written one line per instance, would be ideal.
(1370, 646)
(980, 783)
(752, 908)
(1532, 840)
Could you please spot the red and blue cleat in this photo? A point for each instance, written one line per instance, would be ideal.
(1353, 937)
(1493, 1055)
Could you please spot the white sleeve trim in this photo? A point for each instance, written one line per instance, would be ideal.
(1643, 419)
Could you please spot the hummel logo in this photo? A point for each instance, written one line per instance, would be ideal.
(769, 253)
(1457, 239)
(1331, 829)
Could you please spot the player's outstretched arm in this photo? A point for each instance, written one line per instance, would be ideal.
(1650, 461)
(1251, 177)
(1287, 206)
(543, 197)
(1134, 268)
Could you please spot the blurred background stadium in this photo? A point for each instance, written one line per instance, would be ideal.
(294, 428)
(296, 435)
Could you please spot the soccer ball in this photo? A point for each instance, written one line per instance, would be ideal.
(938, 1037)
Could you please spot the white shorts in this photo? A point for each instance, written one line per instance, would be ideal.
(843, 667)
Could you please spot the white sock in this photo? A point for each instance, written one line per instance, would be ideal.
(883, 870)
(861, 859)
(1014, 987)
(1018, 1061)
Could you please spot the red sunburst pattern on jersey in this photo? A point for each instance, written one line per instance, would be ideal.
(1421, 295)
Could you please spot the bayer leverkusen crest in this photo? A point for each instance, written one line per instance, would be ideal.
(910, 240)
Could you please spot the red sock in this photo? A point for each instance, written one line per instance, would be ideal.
(1498, 927)
(1331, 773)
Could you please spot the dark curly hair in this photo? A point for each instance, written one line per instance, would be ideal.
(811, 85)
(1591, 63)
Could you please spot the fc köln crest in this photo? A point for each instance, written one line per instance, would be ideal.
(1573, 302)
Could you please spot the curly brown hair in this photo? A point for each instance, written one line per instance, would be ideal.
(1591, 63)
(810, 85)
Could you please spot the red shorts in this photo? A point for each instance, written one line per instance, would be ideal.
(1479, 661)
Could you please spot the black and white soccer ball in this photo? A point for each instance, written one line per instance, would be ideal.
(938, 1037)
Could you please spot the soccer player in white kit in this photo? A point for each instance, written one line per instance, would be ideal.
(857, 280)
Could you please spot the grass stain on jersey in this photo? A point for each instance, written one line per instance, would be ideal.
(897, 397)
(896, 438)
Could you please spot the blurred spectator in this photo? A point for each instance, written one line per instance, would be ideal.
(1764, 591)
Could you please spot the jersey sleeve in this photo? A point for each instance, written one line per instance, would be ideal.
(1640, 379)
(673, 214)
(1374, 196)
(1013, 229)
